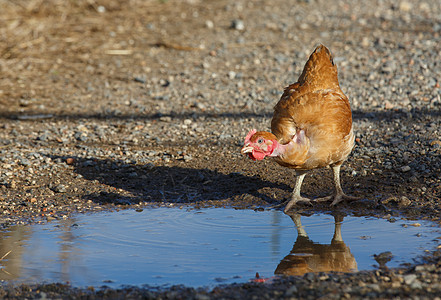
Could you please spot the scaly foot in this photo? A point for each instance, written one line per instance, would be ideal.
(294, 200)
(337, 198)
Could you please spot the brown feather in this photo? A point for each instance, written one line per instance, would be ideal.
(315, 104)
(264, 134)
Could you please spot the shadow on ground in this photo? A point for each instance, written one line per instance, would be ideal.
(123, 183)
(356, 114)
(118, 183)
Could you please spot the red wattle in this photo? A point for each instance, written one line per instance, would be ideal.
(258, 155)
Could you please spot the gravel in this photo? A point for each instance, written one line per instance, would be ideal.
(121, 106)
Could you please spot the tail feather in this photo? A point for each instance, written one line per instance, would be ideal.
(320, 69)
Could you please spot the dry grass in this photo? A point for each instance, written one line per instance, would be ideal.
(34, 28)
(46, 44)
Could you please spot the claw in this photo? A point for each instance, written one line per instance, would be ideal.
(336, 199)
(340, 198)
(296, 200)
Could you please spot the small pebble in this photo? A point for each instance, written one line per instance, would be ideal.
(231, 74)
(59, 188)
(238, 25)
(408, 279)
(209, 24)
(405, 169)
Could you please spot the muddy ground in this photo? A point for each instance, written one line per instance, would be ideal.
(108, 104)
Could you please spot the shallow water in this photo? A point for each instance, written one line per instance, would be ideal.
(167, 246)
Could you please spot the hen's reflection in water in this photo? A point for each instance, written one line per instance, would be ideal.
(307, 256)
(166, 246)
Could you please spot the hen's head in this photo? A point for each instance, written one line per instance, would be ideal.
(259, 144)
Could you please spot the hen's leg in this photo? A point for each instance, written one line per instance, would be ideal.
(338, 219)
(296, 197)
(297, 221)
(339, 194)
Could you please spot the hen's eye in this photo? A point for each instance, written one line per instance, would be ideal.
(260, 141)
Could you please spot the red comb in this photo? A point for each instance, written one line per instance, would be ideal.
(249, 135)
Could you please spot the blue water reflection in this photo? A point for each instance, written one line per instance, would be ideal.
(167, 246)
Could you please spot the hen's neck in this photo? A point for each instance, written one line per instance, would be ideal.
(280, 149)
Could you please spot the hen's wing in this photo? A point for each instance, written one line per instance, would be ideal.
(326, 118)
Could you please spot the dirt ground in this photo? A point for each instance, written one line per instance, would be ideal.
(117, 104)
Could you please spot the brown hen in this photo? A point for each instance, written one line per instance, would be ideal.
(311, 126)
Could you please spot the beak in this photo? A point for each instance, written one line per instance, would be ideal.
(246, 149)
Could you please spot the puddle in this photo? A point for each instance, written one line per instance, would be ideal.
(167, 246)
